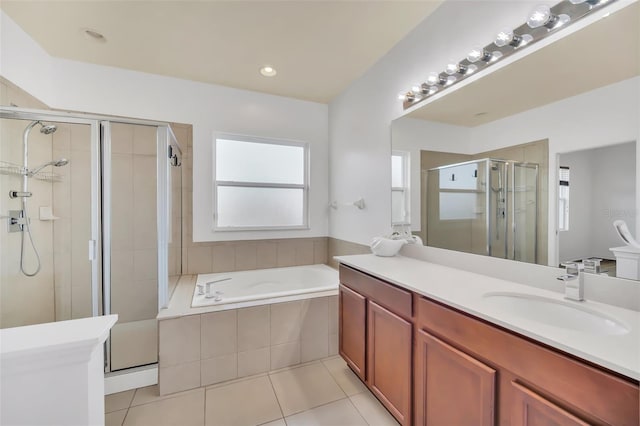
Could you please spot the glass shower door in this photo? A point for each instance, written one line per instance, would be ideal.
(130, 174)
(50, 244)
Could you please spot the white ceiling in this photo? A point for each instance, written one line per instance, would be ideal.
(603, 53)
(317, 47)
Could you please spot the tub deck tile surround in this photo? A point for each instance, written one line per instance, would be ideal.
(198, 347)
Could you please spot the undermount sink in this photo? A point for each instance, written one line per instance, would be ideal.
(557, 313)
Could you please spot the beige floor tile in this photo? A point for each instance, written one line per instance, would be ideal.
(372, 410)
(279, 422)
(118, 401)
(115, 418)
(152, 394)
(245, 403)
(346, 379)
(306, 387)
(338, 413)
(183, 410)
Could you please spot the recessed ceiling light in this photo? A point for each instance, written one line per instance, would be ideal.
(268, 71)
(94, 35)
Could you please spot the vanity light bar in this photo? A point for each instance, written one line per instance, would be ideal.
(541, 22)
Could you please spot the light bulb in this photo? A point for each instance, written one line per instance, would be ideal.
(268, 71)
(504, 37)
(476, 54)
(452, 68)
(539, 16)
(470, 69)
(508, 37)
(450, 80)
(433, 89)
(420, 88)
(433, 78)
(406, 96)
(495, 55)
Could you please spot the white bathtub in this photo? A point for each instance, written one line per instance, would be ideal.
(261, 284)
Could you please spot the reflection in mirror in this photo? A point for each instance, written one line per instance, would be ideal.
(597, 186)
(482, 165)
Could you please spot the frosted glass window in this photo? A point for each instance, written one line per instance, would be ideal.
(260, 207)
(459, 177)
(260, 184)
(457, 206)
(397, 171)
(400, 188)
(398, 213)
(240, 161)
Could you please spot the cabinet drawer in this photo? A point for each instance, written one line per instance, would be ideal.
(391, 297)
(574, 385)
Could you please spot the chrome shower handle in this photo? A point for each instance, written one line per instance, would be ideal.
(19, 194)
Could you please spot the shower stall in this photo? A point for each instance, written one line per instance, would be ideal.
(485, 206)
(92, 207)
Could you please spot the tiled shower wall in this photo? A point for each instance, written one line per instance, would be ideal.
(24, 300)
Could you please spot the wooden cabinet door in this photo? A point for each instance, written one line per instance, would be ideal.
(389, 369)
(532, 409)
(352, 329)
(451, 387)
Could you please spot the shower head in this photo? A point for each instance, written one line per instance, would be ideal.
(47, 129)
(56, 163)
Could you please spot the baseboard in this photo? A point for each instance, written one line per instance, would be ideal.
(130, 379)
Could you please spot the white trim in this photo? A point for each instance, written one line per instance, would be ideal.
(131, 379)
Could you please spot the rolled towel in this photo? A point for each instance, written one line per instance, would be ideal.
(381, 246)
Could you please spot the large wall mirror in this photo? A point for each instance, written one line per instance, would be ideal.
(535, 161)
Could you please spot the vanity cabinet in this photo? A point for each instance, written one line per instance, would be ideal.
(376, 332)
(352, 329)
(534, 384)
(451, 387)
(431, 364)
(389, 360)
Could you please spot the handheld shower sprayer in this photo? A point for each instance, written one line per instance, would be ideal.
(45, 129)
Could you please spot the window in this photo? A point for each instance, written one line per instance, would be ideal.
(260, 184)
(563, 199)
(400, 188)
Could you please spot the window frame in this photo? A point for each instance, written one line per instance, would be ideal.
(405, 189)
(222, 183)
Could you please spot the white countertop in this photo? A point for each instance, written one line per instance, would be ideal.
(464, 291)
(65, 338)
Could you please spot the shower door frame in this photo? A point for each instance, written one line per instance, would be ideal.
(93, 245)
(100, 243)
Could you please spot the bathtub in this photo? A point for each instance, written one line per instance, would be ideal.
(266, 285)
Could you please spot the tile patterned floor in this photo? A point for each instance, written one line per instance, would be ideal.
(320, 393)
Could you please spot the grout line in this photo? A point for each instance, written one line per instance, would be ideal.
(273, 388)
(125, 417)
(170, 396)
(358, 411)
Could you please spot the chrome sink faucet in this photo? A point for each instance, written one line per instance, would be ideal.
(573, 282)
